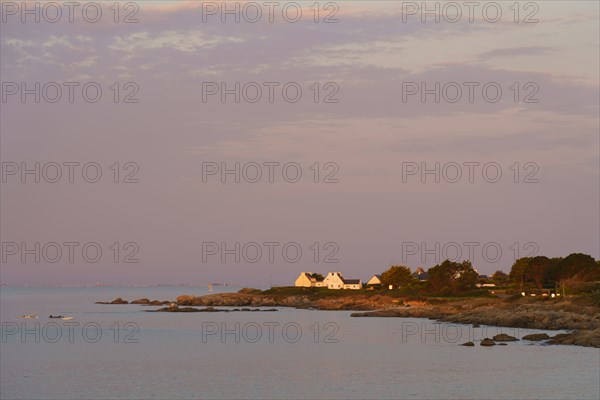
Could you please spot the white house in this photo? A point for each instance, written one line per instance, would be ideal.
(307, 280)
(375, 280)
(354, 284)
(335, 280)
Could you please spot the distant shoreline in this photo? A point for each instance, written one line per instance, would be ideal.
(573, 314)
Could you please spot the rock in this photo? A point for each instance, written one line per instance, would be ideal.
(502, 344)
(249, 291)
(587, 338)
(534, 337)
(487, 342)
(141, 301)
(468, 344)
(119, 300)
(176, 309)
(185, 300)
(475, 325)
(503, 337)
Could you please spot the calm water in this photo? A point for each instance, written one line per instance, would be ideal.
(285, 354)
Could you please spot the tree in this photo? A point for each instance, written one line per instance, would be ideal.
(317, 276)
(538, 270)
(578, 266)
(397, 275)
(452, 277)
(500, 278)
(517, 271)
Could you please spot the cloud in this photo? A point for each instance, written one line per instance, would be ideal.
(186, 42)
(517, 51)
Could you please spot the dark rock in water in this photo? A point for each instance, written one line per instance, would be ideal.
(475, 325)
(487, 342)
(536, 337)
(176, 308)
(588, 338)
(503, 337)
(141, 301)
(119, 300)
(502, 344)
(468, 344)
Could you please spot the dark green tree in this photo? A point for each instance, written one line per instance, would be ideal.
(517, 272)
(538, 271)
(397, 276)
(317, 276)
(452, 277)
(578, 266)
(500, 278)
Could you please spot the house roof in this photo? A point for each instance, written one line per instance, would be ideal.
(311, 278)
(351, 281)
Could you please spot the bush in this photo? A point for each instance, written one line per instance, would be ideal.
(445, 291)
(596, 297)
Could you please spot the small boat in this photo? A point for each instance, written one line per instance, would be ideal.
(210, 288)
(55, 316)
(67, 318)
(29, 316)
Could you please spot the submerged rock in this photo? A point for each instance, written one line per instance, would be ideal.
(534, 337)
(487, 342)
(468, 344)
(503, 337)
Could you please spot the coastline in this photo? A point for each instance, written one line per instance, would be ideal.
(573, 314)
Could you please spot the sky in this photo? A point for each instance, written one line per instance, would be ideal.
(416, 140)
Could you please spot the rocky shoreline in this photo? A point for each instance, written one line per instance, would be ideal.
(572, 315)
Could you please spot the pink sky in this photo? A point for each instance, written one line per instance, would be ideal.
(366, 136)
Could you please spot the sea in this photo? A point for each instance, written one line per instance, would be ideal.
(126, 352)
